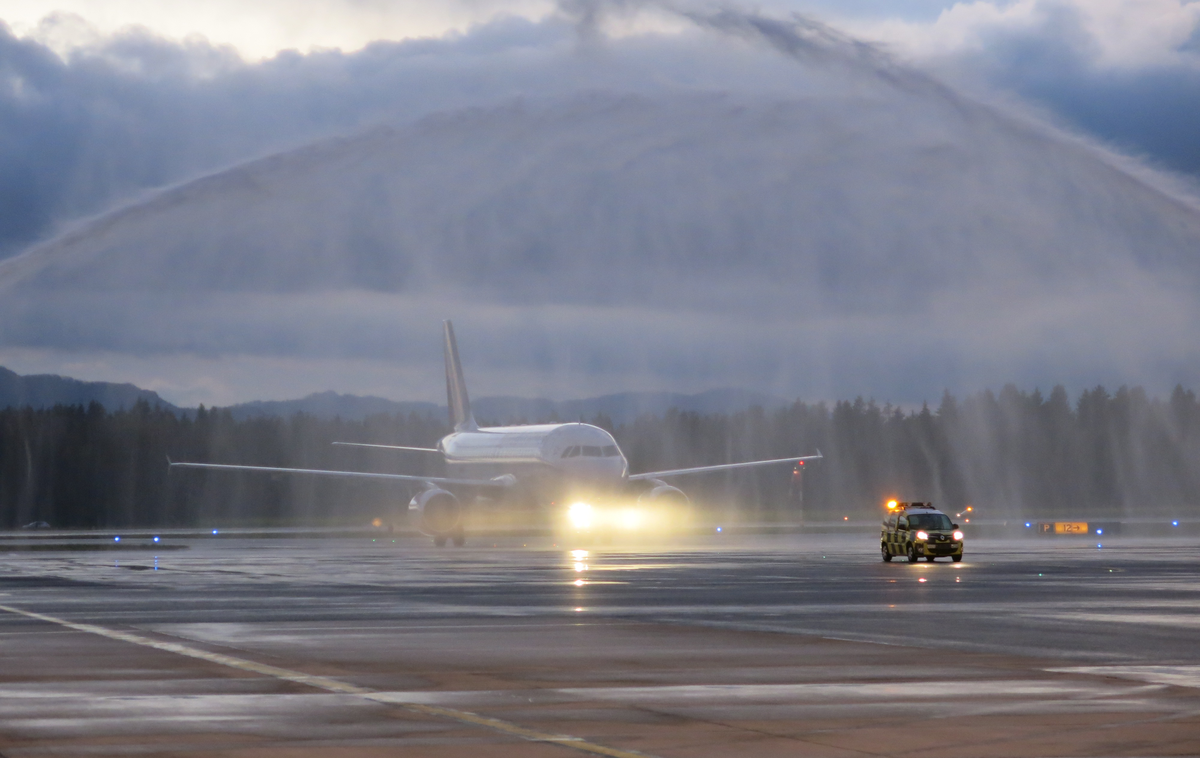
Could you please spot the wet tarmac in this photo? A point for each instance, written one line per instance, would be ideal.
(776, 645)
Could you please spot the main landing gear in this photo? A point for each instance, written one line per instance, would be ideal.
(458, 537)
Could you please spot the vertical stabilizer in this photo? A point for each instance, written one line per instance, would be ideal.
(456, 389)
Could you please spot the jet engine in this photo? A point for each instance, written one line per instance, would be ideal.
(662, 495)
(665, 509)
(440, 515)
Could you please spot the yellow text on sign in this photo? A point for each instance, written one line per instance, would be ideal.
(1070, 527)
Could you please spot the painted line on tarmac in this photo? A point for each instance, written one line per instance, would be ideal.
(333, 685)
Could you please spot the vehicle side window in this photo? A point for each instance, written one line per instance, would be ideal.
(902, 523)
(610, 451)
(891, 522)
(591, 451)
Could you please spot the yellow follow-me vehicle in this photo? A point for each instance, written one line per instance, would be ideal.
(918, 530)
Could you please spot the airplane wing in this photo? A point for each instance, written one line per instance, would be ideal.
(389, 447)
(723, 467)
(503, 481)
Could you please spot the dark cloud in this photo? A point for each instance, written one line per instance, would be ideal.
(1153, 113)
(135, 112)
(1150, 110)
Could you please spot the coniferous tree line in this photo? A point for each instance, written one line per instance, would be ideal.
(1010, 454)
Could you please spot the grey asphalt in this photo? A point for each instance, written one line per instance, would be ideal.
(793, 644)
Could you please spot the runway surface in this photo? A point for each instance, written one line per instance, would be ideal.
(776, 645)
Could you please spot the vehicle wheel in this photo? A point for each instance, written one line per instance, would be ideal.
(912, 553)
(887, 556)
(460, 538)
(956, 558)
(439, 541)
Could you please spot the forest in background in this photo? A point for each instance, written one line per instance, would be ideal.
(1011, 454)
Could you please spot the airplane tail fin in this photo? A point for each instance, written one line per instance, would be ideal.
(456, 389)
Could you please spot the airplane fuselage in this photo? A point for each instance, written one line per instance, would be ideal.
(546, 460)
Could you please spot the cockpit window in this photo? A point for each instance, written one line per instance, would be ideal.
(571, 452)
(591, 451)
(610, 451)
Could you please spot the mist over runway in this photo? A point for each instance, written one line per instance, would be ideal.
(703, 647)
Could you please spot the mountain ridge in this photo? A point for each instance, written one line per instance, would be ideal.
(48, 390)
(620, 407)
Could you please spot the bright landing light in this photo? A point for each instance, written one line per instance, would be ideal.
(580, 515)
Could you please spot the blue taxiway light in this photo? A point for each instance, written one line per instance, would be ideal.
(214, 531)
(718, 529)
(156, 539)
(1099, 531)
(1099, 545)
(1174, 523)
(1027, 524)
(116, 539)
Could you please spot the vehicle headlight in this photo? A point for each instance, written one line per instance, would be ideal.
(922, 535)
(958, 536)
(580, 515)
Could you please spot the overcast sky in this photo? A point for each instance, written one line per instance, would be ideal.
(102, 103)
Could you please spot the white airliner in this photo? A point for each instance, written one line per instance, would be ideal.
(577, 467)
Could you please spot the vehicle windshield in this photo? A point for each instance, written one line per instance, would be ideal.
(936, 521)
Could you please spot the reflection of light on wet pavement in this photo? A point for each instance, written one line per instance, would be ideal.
(1185, 621)
(580, 566)
(1179, 676)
